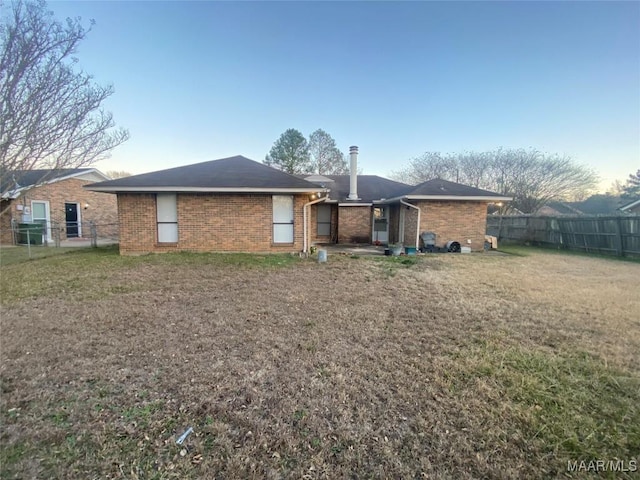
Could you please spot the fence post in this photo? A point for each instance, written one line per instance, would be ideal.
(28, 243)
(94, 234)
(56, 234)
(618, 237)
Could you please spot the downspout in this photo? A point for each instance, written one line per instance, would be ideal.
(305, 242)
(418, 222)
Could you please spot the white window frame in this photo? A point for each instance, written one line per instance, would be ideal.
(279, 222)
(47, 219)
(79, 220)
(167, 217)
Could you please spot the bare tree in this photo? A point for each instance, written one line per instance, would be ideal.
(50, 115)
(326, 157)
(427, 166)
(615, 189)
(531, 177)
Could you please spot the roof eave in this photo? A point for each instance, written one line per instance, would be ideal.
(13, 194)
(626, 207)
(472, 198)
(355, 204)
(176, 189)
(478, 198)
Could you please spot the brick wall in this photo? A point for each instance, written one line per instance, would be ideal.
(6, 237)
(410, 222)
(457, 220)
(207, 222)
(354, 224)
(102, 208)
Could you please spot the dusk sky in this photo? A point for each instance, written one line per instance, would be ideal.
(197, 81)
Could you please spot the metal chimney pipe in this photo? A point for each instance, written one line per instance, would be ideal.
(353, 172)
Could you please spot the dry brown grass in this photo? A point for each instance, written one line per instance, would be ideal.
(452, 366)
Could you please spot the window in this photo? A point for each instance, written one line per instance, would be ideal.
(282, 219)
(40, 214)
(324, 220)
(167, 217)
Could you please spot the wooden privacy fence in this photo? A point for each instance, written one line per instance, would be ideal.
(614, 235)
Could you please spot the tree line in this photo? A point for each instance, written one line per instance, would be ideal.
(295, 154)
(51, 117)
(533, 178)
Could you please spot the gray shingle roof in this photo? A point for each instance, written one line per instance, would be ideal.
(242, 174)
(439, 187)
(370, 187)
(227, 173)
(28, 178)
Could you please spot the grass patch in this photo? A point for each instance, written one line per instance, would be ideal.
(569, 405)
(462, 366)
(390, 265)
(11, 255)
(81, 271)
(527, 250)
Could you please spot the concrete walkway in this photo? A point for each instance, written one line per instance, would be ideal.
(355, 249)
(364, 249)
(86, 242)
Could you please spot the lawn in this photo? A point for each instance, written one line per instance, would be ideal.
(443, 366)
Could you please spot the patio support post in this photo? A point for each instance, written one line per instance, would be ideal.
(417, 223)
(305, 229)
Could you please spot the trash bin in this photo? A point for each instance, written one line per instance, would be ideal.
(30, 233)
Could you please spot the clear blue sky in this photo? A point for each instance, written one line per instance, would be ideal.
(197, 81)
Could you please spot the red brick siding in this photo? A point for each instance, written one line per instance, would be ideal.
(6, 237)
(410, 223)
(207, 223)
(102, 207)
(453, 220)
(354, 225)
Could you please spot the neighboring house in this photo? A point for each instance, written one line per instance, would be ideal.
(58, 200)
(555, 208)
(632, 208)
(599, 204)
(237, 204)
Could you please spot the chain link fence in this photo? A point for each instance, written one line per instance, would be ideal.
(43, 239)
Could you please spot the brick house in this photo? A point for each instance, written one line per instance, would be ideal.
(58, 200)
(239, 205)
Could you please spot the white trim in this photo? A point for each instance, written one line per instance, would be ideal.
(77, 174)
(449, 197)
(626, 207)
(78, 218)
(355, 204)
(291, 223)
(306, 230)
(459, 197)
(47, 219)
(402, 202)
(13, 194)
(205, 189)
(167, 228)
(386, 216)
